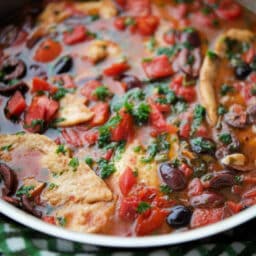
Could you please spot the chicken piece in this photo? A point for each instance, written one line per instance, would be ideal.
(207, 80)
(98, 50)
(76, 188)
(73, 111)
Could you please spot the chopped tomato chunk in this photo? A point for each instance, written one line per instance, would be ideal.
(91, 137)
(47, 51)
(147, 25)
(128, 208)
(184, 129)
(123, 130)
(119, 23)
(228, 10)
(126, 181)
(234, 207)
(116, 69)
(158, 67)
(89, 88)
(147, 224)
(102, 113)
(40, 113)
(77, 35)
(49, 219)
(202, 217)
(15, 105)
(39, 84)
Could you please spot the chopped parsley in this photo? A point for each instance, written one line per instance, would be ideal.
(141, 113)
(62, 221)
(143, 207)
(225, 138)
(225, 89)
(6, 148)
(165, 189)
(221, 110)
(212, 55)
(180, 107)
(202, 145)
(101, 93)
(61, 149)
(105, 168)
(199, 115)
(62, 93)
(151, 44)
(89, 161)
(74, 163)
(24, 190)
(52, 186)
(129, 21)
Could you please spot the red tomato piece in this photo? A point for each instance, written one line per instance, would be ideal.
(249, 55)
(47, 51)
(72, 137)
(158, 121)
(229, 10)
(126, 181)
(146, 225)
(184, 129)
(147, 25)
(202, 217)
(128, 208)
(169, 37)
(49, 219)
(39, 84)
(89, 88)
(234, 207)
(195, 187)
(159, 67)
(42, 109)
(138, 7)
(15, 105)
(123, 130)
(202, 131)
(116, 69)
(77, 35)
(101, 114)
(108, 154)
(119, 23)
(91, 137)
(186, 170)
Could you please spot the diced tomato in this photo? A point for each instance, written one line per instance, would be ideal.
(184, 129)
(91, 137)
(164, 108)
(39, 84)
(41, 109)
(195, 187)
(228, 10)
(147, 25)
(234, 207)
(101, 113)
(108, 154)
(119, 23)
(127, 180)
(89, 88)
(204, 20)
(138, 7)
(48, 51)
(72, 137)
(128, 208)
(77, 35)
(49, 219)
(159, 67)
(202, 131)
(123, 130)
(169, 37)
(250, 193)
(186, 170)
(121, 3)
(116, 69)
(146, 225)
(202, 217)
(15, 105)
(158, 121)
(249, 55)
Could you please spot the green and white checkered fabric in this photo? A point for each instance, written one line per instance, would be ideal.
(16, 240)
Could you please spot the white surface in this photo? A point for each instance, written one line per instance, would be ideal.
(131, 242)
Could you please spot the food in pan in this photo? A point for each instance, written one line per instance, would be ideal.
(129, 118)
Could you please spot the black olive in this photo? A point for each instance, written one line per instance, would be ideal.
(242, 71)
(63, 65)
(172, 176)
(192, 37)
(179, 217)
(131, 81)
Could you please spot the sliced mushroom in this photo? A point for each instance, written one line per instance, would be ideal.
(207, 80)
(28, 206)
(6, 89)
(9, 178)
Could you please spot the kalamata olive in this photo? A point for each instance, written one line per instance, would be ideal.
(207, 199)
(8, 35)
(11, 200)
(202, 145)
(27, 205)
(242, 71)
(9, 178)
(8, 89)
(38, 71)
(131, 81)
(222, 179)
(172, 176)
(236, 117)
(13, 68)
(251, 114)
(179, 216)
(192, 37)
(63, 65)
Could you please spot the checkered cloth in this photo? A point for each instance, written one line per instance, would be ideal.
(17, 240)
